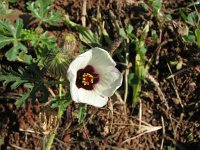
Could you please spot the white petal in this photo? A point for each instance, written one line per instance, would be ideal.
(79, 63)
(92, 98)
(101, 59)
(74, 91)
(109, 81)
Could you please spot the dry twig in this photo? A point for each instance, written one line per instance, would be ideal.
(84, 13)
(175, 87)
(163, 137)
(156, 84)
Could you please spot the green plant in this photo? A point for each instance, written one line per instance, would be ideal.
(18, 37)
(4, 10)
(170, 148)
(41, 9)
(22, 77)
(156, 7)
(40, 56)
(12, 35)
(197, 34)
(86, 35)
(32, 48)
(137, 76)
(192, 22)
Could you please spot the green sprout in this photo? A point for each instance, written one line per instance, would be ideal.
(140, 69)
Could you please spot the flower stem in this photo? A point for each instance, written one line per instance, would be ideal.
(50, 141)
(60, 113)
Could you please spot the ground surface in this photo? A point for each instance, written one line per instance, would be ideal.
(169, 121)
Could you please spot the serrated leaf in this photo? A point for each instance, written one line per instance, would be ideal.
(85, 34)
(23, 99)
(53, 18)
(21, 76)
(32, 94)
(41, 10)
(10, 34)
(13, 77)
(31, 77)
(88, 37)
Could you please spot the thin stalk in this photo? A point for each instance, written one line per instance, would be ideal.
(50, 141)
(60, 113)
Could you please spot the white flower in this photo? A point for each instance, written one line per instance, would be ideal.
(93, 77)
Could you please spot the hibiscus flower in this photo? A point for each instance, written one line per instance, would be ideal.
(93, 77)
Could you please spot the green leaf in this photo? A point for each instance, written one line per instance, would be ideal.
(131, 79)
(4, 8)
(189, 38)
(61, 103)
(82, 112)
(41, 9)
(13, 77)
(85, 34)
(43, 44)
(192, 18)
(22, 57)
(31, 77)
(11, 54)
(138, 77)
(5, 41)
(197, 34)
(154, 35)
(130, 29)
(156, 5)
(5, 27)
(1, 141)
(18, 27)
(122, 33)
(170, 148)
(12, 1)
(23, 99)
(183, 15)
(10, 34)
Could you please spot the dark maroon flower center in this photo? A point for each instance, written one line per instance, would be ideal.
(87, 78)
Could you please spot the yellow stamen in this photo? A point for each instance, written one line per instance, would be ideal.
(87, 79)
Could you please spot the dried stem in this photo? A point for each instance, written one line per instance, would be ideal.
(175, 87)
(156, 84)
(163, 137)
(84, 13)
